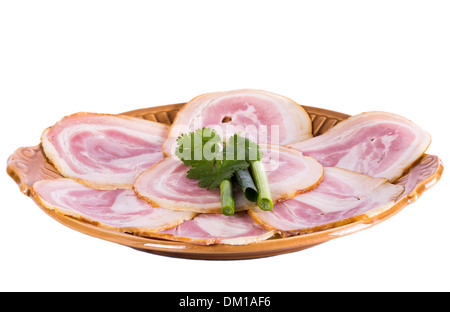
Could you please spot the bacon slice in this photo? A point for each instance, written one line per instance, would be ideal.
(378, 144)
(340, 196)
(103, 151)
(207, 229)
(119, 210)
(261, 116)
(166, 185)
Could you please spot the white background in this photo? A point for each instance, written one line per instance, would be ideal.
(62, 57)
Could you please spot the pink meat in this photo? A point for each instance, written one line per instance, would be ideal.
(207, 229)
(166, 184)
(378, 144)
(262, 116)
(104, 151)
(119, 209)
(341, 195)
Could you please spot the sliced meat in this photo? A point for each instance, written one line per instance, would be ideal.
(166, 184)
(261, 116)
(103, 151)
(378, 144)
(207, 229)
(340, 196)
(119, 210)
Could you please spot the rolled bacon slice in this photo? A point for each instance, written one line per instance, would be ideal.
(378, 144)
(103, 151)
(119, 210)
(340, 197)
(208, 229)
(166, 185)
(261, 116)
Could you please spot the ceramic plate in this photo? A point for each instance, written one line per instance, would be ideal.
(28, 165)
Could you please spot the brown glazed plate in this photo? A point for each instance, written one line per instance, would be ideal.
(28, 165)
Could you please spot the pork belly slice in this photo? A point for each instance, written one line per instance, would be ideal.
(261, 116)
(119, 210)
(215, 228)
(166, 185)
(378, 144)
(341, 196)
(103, 151)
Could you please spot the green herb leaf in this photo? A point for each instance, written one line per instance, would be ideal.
(240, 148)
(210, 176)
(210, 162)
(201, 145)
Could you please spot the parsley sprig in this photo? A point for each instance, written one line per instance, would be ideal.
(215, 163)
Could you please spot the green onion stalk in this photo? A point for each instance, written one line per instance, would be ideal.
(245, 181)
(226, 197)
(264, 200)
